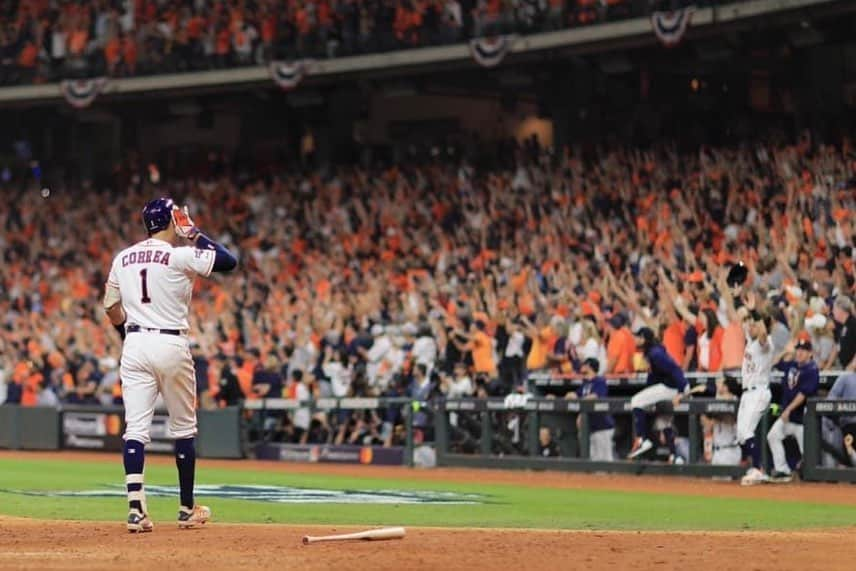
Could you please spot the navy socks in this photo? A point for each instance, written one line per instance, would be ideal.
(752, 450)
(185, 461)
(640, 423)
(134, 459)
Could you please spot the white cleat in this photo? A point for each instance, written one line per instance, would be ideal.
(753, 477)
(644, 447)
(198, 516)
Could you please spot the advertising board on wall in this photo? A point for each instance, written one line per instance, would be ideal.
(328, 453)
(103, 431)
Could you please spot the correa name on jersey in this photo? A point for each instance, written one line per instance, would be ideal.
(146, 257)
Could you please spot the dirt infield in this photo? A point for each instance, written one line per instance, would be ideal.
(30, 544)
(33, 544)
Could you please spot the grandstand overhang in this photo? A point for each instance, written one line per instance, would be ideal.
(707, 23)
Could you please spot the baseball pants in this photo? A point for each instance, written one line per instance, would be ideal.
(728, 455)
(652, 395)
(753, 404)
(775, 439)
(600, 445)
(155, 363)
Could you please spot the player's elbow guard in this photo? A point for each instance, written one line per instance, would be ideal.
(225, 261)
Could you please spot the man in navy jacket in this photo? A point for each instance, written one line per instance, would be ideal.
(666, 382)
(601, 424)
(800, 382)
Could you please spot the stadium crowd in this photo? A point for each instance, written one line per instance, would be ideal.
(46, 40)
(429, 279)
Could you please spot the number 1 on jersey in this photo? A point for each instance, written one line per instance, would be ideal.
(145, 298)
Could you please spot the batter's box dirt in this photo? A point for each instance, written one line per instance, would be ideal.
(32, 544)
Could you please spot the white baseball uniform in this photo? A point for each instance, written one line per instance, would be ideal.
(155, 282)
(649, 396)
(757, 368)
(775, 438)
(726, 450)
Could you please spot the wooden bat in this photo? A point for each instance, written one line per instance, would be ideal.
(370, 535)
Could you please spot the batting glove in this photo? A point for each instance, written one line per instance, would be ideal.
(184, 225)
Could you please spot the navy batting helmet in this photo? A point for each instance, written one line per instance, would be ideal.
(157, 214)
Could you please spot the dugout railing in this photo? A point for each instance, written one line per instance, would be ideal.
(461, 432)
(837, 414)
(485, 418)
(406, 410)
(532, 414)
(547, 382)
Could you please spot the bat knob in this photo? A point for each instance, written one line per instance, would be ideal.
(305, 540)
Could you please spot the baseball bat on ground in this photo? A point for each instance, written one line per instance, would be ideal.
(372, 534)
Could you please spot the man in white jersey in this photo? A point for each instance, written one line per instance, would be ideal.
(147, 298)
(725, 451)
(755, 400)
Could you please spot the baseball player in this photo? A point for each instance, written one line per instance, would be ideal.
(755, 400)
(721, 429)
(147, 298)
(801, 381)
(666, 382)
(601, 424)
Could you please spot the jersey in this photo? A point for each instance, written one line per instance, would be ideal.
(724, 432)
(596, 386)
(663, 369)
(757, 363)
(726, 450)
(798, 379)
(155, 282)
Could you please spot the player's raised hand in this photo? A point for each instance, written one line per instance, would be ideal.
(184, 226)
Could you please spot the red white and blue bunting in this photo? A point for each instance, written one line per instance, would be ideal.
(288, 75)
(81, 93)
(670, 27)
(490, 51)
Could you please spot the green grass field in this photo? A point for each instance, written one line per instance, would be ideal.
(499, 505)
